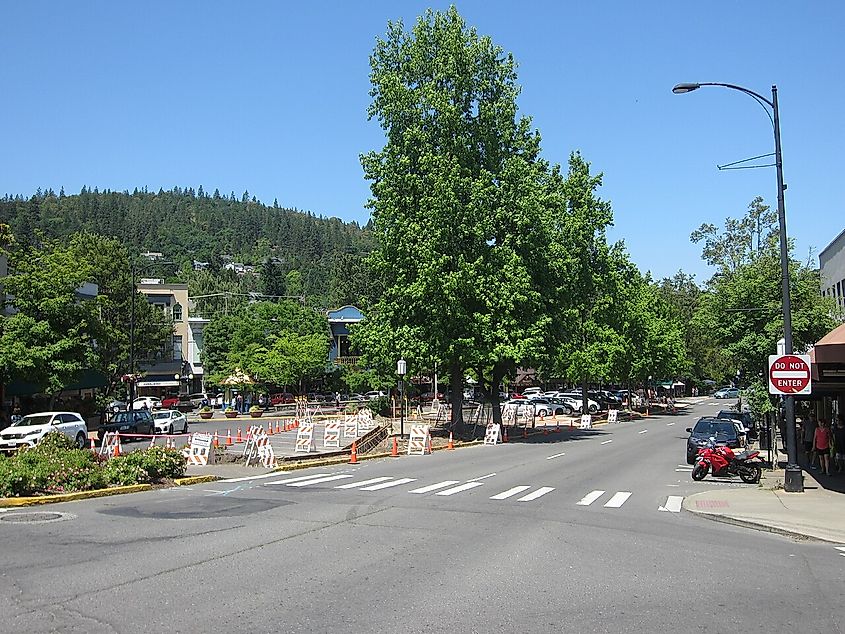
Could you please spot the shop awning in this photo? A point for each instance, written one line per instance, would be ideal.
(831, 347)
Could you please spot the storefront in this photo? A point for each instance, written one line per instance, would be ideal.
(828, 374)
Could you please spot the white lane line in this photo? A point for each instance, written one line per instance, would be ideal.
(363, 483)
(309, 477)
(617, 500)
(684, 470)
(557, 455)
(489, 475)
(387, 485)
(536, 494)
(590, 498)
(341, 476)
(669, 424)
(274, 474)
(434, 487)
(673, 504)
(606, 441)
(643, 431)
(458, 489)
(841, 550)
(504, 495)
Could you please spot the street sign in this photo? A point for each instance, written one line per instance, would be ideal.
(789, 374)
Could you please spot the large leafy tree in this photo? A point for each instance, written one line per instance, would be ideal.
(458, 196)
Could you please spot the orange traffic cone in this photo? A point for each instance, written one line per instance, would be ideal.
(525, 432)
(278, 428)
(394, 453)
(430, 450)
(117, 448)
(239, 438)
(505, 435)
(451, 445)
(545, 431)
(92, 445)
(228, 437)
(353, 458)
(216, 442)
(269, 429)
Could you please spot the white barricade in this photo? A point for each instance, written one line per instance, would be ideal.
(418, 443)
(251, 445)
(613, 416)
(305, 438)
(331, 434)
(110, 442)
(493, 434)
(350, 427)
(527, 414)
(200, 451)
(586, 421)
(509, 414)
(265, 452)
(365, 420)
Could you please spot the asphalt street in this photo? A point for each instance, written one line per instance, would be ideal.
(571, 532)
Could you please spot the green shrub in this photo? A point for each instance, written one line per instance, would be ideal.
(161, 463)
(46, 468)
(123, 471)
(380, 405)
(54, 441)
(351, 408)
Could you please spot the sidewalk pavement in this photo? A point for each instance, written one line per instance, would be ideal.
(815, 514)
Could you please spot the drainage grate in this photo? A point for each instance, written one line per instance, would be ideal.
(35, 517)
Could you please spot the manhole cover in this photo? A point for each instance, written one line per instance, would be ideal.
(35, 517)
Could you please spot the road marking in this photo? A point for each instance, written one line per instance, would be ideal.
(504, 495)
(434, 487)
(387, 485)
(353, 485)
(590, 498)
(669, 424)
(643, 431)
(557, 455)
(536, 494)
(274, 474)
(463, 487)
(341, 476)
(841, 550)
(313, 475)
(618, 499)
(673, 504)
(606, 441)
(489, 475)
(684, 470)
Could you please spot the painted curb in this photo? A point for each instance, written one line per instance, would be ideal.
(70, 497)
(182, 482)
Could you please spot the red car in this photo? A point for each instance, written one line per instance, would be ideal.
(282, 398)
(170, 402)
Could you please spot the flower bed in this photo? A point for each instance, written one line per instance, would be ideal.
(55, 465)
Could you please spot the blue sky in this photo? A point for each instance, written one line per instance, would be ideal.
(271, 97)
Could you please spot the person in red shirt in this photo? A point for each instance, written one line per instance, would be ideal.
(821, 443)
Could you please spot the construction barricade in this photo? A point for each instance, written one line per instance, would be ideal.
(419, 442)
(305, 438)
(613, 416)
(586, 422)
(331, 434)
(110, 445)
(493, 434)
(200, 452)
(350, 427)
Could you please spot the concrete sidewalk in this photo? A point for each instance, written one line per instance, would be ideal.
(817, 513)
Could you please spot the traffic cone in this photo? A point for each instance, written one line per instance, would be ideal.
(228, 437)
(430, 450)
(239, 438)
(525, 432)
(451, 445)
(505, 435)
(269, 429)
(394, 453)
(152, 442)
(278, 428)
(353, 458)
(216, 440)
(92, 445)
(545, 431)
(117, 448)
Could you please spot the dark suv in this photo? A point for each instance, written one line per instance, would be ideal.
(724, 431)
(742, 417)
(139, 421)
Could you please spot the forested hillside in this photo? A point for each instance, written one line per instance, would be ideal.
(293, 252)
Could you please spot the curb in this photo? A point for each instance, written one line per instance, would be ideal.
(70, 497)
(182, 482)
(727, 519)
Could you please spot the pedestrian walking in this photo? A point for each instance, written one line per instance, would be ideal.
(821, 444)
(337, 400)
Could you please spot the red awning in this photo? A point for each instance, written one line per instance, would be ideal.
(831, 347)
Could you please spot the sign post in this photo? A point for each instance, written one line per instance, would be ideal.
(789, 374)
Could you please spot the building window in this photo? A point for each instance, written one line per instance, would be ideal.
(177, 312)
(177, 347)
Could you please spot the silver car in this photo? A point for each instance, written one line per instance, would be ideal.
(30, 429)
(170, 421)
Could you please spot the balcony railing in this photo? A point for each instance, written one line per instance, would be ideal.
(346, 360)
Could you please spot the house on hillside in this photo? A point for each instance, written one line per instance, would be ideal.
(339, 322)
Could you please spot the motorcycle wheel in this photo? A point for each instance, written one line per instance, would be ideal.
(750, 474)
(699, 471)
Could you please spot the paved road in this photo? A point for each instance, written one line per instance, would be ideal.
(558, 534)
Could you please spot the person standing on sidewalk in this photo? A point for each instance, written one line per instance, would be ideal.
(808, 427)
(821, 443)
(839, 443)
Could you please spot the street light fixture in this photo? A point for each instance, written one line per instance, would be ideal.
(401, 370)
(794, 479)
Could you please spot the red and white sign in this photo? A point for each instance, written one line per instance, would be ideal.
(789, 374)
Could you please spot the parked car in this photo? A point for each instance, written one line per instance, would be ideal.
(592, 406)
(30, 429)
(427, 397)
(146, 402)
(744, 418)
(170, 401)
(139, 421)
(281, 398)
(707, 427)
(374, 394)
(567, 406)
(726, 392)
(532, 391)
(170, 421)
(115, 406)
(197, 400)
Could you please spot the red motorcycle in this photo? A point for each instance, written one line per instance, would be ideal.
(723, 462)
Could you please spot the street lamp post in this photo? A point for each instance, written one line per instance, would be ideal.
(401, 370)
(794, 479)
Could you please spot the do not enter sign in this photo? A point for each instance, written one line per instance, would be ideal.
(789, 374)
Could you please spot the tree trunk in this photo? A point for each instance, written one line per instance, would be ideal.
(498, 374)
(585, 399)
(457, 386)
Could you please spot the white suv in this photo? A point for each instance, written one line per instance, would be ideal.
(29, 430)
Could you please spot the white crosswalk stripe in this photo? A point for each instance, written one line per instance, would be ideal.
(673, 504)
(590, 498)
(536, 494)
(434, 487)
(458, 489)
(504, 495)
(387, 485)
(306, 483)
(363, 483)
(308, 477)
(618, 499)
